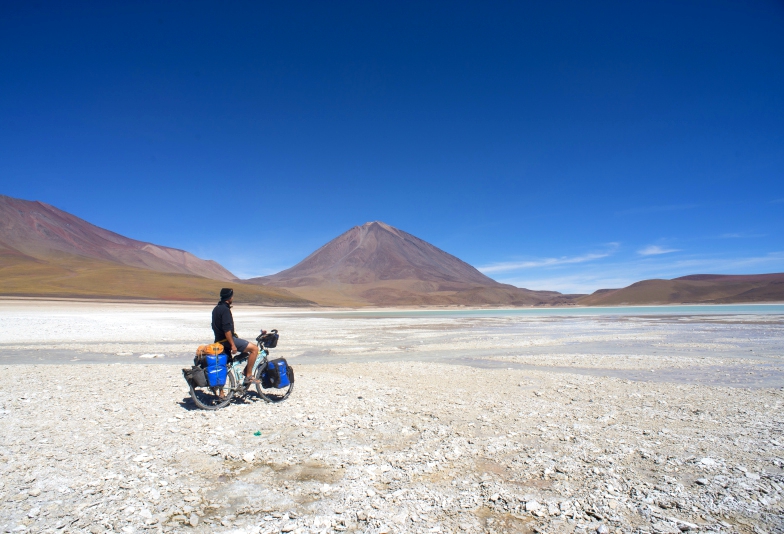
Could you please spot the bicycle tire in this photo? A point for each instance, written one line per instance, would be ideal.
(206, 399)
(274, 395)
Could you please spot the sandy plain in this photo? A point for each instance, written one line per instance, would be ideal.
(418, 423)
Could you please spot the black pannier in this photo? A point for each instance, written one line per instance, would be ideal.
(267, 380)
(195, 376)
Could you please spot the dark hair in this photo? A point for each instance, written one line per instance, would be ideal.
(226, 293)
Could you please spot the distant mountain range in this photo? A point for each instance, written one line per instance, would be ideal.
(47, 252)
(694, 289)
(377, 264)
(42, 231)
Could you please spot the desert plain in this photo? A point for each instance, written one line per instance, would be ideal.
(421, 421)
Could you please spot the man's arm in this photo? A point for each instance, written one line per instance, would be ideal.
(230, 339)
(226, 324)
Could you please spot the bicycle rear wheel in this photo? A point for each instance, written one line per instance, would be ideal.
(274, 394)
(208, 398)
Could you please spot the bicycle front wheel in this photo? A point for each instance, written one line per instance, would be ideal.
(208, 398)
(274, 394)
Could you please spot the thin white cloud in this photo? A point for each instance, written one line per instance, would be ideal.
(656, 209)
(546, 262)
(740, 235)
(578, 283)
(723, 266)
(655, 250)
(588, 278)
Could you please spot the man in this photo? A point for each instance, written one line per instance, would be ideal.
(223, 327)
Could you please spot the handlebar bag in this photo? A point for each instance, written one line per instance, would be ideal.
(270, 340)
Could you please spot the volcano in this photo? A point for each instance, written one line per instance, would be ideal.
(377, 264)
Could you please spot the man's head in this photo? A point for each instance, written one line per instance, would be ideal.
(226, 294)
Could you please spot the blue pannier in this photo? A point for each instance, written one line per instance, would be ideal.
(213, 361)
(276, 374)
(216, 370)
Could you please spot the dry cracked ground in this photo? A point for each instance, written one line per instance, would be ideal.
(387, 447)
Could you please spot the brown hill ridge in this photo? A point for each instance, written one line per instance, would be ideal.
(377, 264)
(40, 231)
(46, 252)
(693, 289)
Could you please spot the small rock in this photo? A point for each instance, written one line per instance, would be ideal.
(193, 520)
(602, 529)
(288, 528)
(701, 482)
(35, 492)
(685, 526)
(532, 506)
(33, 512)
(248, 458)
(664, 528)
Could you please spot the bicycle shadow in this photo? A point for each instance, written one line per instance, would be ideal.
(251, 397)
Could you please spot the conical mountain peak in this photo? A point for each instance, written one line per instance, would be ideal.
(377, 251)
(380, 264)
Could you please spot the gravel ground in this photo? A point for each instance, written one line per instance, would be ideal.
(549, 424)
(387, 447)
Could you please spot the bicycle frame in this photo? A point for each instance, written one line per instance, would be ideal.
(238, 367)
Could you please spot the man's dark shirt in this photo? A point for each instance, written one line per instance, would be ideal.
(222, 321)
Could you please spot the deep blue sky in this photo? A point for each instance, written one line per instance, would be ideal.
(557, 145)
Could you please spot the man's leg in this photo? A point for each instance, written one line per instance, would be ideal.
(253, 353)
